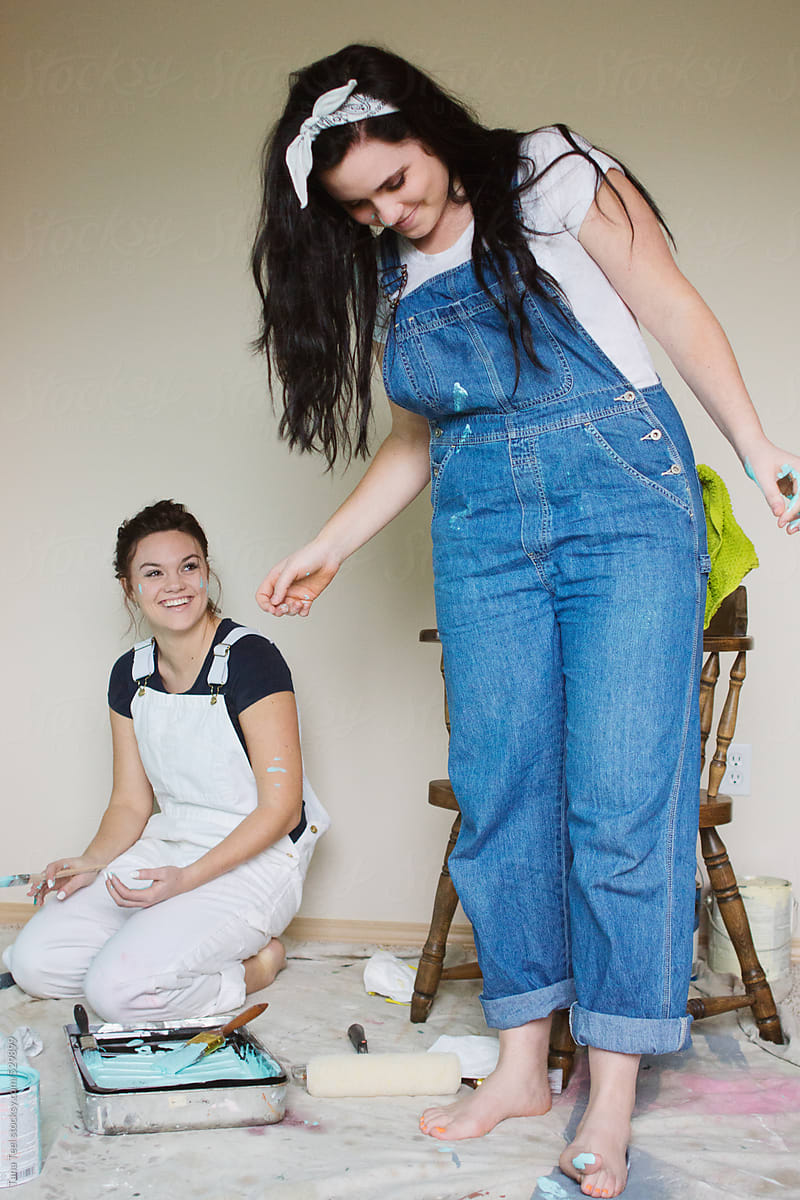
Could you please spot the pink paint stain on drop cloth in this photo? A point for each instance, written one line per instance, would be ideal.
(750, 1093)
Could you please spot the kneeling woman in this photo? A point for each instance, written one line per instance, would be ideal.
(177, 913)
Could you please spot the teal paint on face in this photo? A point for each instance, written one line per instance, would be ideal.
(140, 589)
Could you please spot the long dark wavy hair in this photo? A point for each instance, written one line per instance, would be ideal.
(315, 268)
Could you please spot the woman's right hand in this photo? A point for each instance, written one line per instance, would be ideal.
(86, 871)
(294, 583)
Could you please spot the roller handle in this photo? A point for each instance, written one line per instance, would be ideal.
(358, 1038)
(249, 1014)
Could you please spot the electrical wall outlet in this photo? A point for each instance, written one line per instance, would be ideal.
(736, 780)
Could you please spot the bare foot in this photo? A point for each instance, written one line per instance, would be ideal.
(597, 1157)
(261, 969)
(518, 1087)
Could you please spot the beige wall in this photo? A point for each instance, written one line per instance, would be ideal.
(130, 158)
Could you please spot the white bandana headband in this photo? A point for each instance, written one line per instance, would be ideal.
(337, 107)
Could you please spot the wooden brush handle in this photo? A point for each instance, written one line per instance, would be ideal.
(249, 1014)
(68, 874)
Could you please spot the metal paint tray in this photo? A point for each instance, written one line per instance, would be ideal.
(212, 1104)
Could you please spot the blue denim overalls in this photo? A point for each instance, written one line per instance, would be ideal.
(570, 565)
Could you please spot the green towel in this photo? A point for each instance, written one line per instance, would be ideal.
(731, 551)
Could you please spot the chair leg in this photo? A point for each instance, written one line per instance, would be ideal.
(562, 1047)
(732, 911)
(429, 971)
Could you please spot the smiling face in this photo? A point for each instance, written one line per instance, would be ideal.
(402, 185)
(168, 579)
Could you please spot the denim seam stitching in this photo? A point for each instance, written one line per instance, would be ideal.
(529, 430)
(483, 354)
(674, 453)
(411, 379)
(634, 474)
(565, 915)
(436, 480)
(534, 558)
(673, 806)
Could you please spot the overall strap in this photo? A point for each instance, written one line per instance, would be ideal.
(144, 662)
(392, 275)
(218, 672)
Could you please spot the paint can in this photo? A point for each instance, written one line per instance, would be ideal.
(20, 1141)
(769, 907)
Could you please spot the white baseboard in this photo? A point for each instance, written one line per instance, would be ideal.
(12, 912)
(309, 929)
(382, 933)
(329, 929)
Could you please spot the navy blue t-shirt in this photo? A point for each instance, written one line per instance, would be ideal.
(256, 668)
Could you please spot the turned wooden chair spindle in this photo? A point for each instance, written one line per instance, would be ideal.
(727, 633)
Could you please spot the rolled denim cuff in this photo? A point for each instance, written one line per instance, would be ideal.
(628, 1035)
(509, 1012)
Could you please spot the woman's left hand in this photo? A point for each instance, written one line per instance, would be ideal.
(765, 466)
(167, 882)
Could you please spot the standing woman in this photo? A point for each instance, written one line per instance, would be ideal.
(568, 533)
(177, 913)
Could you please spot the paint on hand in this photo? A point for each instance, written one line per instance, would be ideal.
(550, 1187)
(581, 1161)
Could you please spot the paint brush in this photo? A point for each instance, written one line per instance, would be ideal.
(86, 1040)
(207, 1042)
(20, 880)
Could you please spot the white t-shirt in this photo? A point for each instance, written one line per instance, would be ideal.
(554, 208)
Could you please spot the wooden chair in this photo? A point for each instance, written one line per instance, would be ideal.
(727, 632)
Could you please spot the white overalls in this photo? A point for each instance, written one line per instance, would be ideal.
(182, 957)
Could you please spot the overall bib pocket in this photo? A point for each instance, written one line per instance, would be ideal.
(455, 357)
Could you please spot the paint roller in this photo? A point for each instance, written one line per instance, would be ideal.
(363, 1074)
